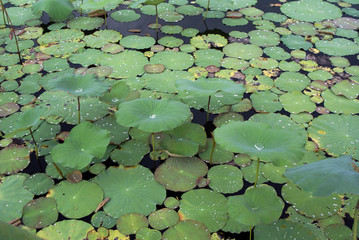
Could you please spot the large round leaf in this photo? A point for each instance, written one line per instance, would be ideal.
(151, 115)
(131, 190)
(39, 213)
(322, 178)
(84, 142)
(338, 47)
(13, 159)
(258, 139)
(66, 229)
(57, 9)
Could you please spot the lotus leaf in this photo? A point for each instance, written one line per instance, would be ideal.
(162, 7)
(289, 66)
(282, 229)
(292, 81)
(86, 58)
(13, 159)
(9, 231)
(100, 4)
(38, 183)
(180, 174)
(130, 223)
(189, 32)
(165, 81)
(187, 229)
(57, 9)
(224, 6)
(250, 173)
(274, 17)
(70, 198)
(276, 53)
(100, 219)
(226, 118)
(258, 139)
(84, 142)
(259, 205)
(311, 10)
(170, 41)
(172, 29)
(7, 59)
(264, 63)
(130, 152)
(62, 49)
(13, 72)
(326, 129)
(295, 42)
(24, 44)
(266, 102)
(13, 197)
(22, 15)
(173, 60)
(152, 115)
(207, 57)
(321, 75)
(337, 47)
(205, 206)
(243, 51)
(148, 234)
(273, 173)
(220, 154)
(348, 89)
(118, 133)
(163, 218)
(63, 35)
(225, 179)
(126, 64)
(205, 41)
(40, 212)
(73, 229)
(189, 10)
(7, 109)
(263, 38)
(85, 23)
(338, 231)
(137, 42)
(170, 16)
(339, 104)
(131, 190)
(296, 102)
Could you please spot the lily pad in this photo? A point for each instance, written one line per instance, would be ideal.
(38, 183)
(137, 42)
(40, 213)
(244, 51)
(130, 223)
(130, 190)
(57, 9)
(337, 47)
(173, 60)
(339, 104)
(86, 23)
(187, 229)
(163, 218)
(225, 179)
(65, 229)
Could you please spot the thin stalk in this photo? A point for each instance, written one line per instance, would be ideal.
(82, 2)
(205, 14)
(209, 102)
(257, 173)
(58, 170)
(3, 11)
(153, 146)
(212, 151)
(36, 149)
(355, 224)
(250, 233)
(78, 109)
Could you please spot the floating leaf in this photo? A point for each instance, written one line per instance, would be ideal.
(40, 212)
(9, 231)
(39, 183)
(130, 223)
(225, 179)
(65, 229)
(137, 42)
(163, 218)
(57, 9)
(187, 229)
(337, 47)
(13, 159)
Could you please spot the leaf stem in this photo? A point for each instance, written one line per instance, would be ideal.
(355, 224)
(257, 173)
(58, 170)
(205, 14)
(78, 109)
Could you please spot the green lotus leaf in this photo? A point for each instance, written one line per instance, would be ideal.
(135, 3)
(57, 9)
(289, 66)
(189, 10)
(86, 23)
(130, 153)
(224, 6)
(118, 133)
(346, 88)
(137, 42)
(148, 234)
(126, 64)
(207, 57)
(131, 190)
(22, 14)
(225, 118)
(62, 35)
(274, 17)
(338, 47)
(180, 174)
(66, 229)
(70, 198)
(234, 63)
(263, 38)
(40, 213)
(13, 197)
(274, 173)
(258, 205)
(162, 7)
(258, 139)
(187, 229)
(84, 142)
(265, 102)
(311, 10)
(30, 118)
(184, 140)
(108, 5)
(165, 81)
(7, 59)
(243, 51)
(173, 60)
(205, 206)
(171, 203)
(163, 218)
(338, 231)
(38, 183)
(225, 179)
(55, 64)
(130, 223)
(295, 42)
(86, 58)
(151, 115)
(78, 85)
(233, 22)
(320, 75)
(170, 16)
(174, 29)
(62, 49)
(339, 104)
(9, 231)
(276, 53)
(282, 229)
(292, 81)
(170, 41)
(100, 219)
(339, 62)
(264, 63)
(7, 109)
(13, 159)
(102, 37)
(125, 15)
(296, 102)
(303, 28)
(321, 178)
(11, 45)
(337, 134)
(311, 206)
(205, 41)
